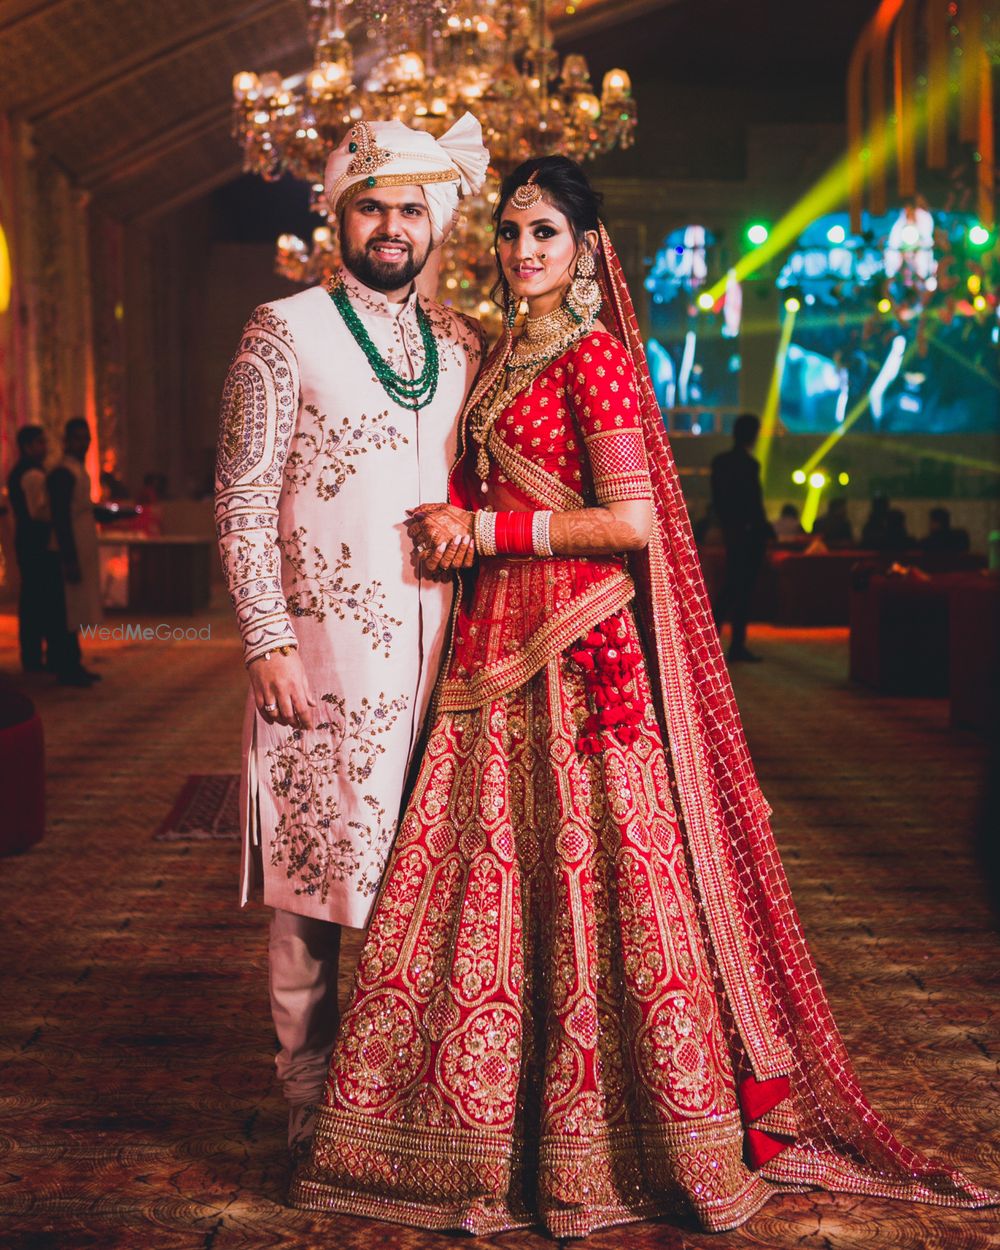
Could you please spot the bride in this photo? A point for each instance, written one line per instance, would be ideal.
(585, 997)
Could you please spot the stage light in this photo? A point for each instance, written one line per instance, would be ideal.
(830, 190)
(836, 234)
(817, 480)
(854, 415)
(884, 305)
(980, 303)
(769, 416)
(757, 233)
(799, 477)
(979, 236)
(705, 302)
(974, 283)
(844, 479)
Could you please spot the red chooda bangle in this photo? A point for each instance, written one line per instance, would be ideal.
(513, 534)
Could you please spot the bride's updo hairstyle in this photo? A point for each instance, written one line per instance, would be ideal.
(563, 183)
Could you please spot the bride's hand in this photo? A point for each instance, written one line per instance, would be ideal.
(443, 536)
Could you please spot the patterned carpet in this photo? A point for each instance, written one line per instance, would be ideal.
(207, 809)
(137, 1104)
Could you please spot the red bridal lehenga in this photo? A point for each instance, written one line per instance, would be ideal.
(585, 997)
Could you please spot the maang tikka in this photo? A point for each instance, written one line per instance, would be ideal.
(527, 194)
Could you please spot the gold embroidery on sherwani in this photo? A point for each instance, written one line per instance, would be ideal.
(234, 419)
(312, 487)
(328, 452)
(311, 841)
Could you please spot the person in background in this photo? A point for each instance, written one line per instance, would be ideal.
(113, 489)
(32, 525)
(788, 527)
(941, 538)
(896, 537)
(834, 526)
(738, 501)
(75, 532)
(873, 534)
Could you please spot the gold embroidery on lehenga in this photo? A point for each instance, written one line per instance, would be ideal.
(441, 1138)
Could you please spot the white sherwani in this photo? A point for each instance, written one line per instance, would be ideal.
(316, 466)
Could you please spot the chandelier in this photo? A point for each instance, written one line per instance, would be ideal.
(425, 67)
(424, 63)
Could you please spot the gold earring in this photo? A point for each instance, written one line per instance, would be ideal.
(583, 299)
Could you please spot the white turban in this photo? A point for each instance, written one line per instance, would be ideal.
(379, 154)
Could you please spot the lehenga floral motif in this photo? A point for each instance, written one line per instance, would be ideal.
(584, 998)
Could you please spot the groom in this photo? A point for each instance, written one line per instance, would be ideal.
(340, 409)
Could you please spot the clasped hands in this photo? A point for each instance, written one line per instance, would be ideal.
(442, 536)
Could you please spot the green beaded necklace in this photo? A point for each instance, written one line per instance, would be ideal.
(409, 393)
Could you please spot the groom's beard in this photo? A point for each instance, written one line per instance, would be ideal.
(378, 274)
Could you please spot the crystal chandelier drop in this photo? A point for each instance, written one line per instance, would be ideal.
(425, 67)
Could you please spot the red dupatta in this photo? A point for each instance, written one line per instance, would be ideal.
(808, 1121)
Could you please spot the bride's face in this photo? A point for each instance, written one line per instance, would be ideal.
(537, 250)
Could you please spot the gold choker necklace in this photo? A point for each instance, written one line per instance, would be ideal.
(538, 330)
(545, 338)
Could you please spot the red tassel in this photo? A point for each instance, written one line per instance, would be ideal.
(757, 1098)
(761, 1148)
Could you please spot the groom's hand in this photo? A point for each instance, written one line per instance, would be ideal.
(281, 690)
(443, 536)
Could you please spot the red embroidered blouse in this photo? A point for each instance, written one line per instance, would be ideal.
(571, 439)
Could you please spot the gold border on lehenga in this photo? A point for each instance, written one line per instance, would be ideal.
(562, 628)
(471, 1177)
